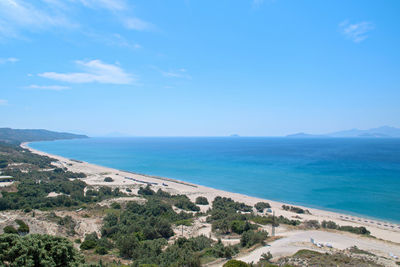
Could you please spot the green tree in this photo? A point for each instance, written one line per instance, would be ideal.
(201, 201)
(38, 250)
(9, 229)
(235, 263)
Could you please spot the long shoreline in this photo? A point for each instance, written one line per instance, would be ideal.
(378, 228)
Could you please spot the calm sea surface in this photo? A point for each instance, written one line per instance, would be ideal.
(356, 176)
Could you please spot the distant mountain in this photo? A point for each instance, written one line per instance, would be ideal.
(9, 135)
(380, 132)
(303, 135)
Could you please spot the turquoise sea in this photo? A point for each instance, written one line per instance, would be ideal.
(355, 176)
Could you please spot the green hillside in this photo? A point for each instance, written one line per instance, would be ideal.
(9, 135)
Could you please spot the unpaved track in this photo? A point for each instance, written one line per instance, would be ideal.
(296, 240)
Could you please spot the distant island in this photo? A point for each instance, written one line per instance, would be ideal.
(9, 135)
(380, 132)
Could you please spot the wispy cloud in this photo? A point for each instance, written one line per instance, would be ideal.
(179, 73)
(120, 8)
(8, 60)
(107, 4)
(133, 23)
(115, 40)
(48, 87)
(94, 71)
(20, 16)
(3, 102)
(356, 32)
(17, 15)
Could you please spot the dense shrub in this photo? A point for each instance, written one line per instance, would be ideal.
(201, 201)
(108, 179)
(116, 205)
(240, 226)
(264, 220)
(261, 206)
(361, 230)
(38, 250)
(147, 191)
(355, 230)
(329, 225)
(183, 202)
(88, 244)
(250, 238)
(90, 241)
(34, 185)
(235, 263)
(23, 228)
(9, 229)
(313, 224)
(295, 209)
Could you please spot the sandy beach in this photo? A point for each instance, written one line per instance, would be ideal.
(387, 234)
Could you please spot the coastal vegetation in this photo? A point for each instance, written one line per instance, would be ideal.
(307, 257)
(361, 230)
(179, 201)
(140, 233)
(35, 178)
(261, 206)
(295, 209)
(202, 201)
(108, 179)
(38, 250)
(144, 233)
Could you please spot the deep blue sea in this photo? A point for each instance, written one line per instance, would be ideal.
(355, 176)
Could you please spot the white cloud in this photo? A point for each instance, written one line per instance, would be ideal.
(94, 71)
(16, 15)
(19, 16)
(48, 87)
(177, 73)
(133, 23)
(8, 60)
(108, 4)
(356, 32)
(115, 40)
(180, 73)
(3, 102)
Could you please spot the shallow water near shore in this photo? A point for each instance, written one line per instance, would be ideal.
(358, 176)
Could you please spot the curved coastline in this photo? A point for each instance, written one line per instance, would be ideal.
(380, 229)
(243, 186)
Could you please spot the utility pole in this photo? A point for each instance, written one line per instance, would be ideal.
(273, 224)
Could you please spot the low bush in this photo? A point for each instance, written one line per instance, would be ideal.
(116, 205)
(361, 230)
(250, 238)
(235, 263)
(202, 201)
(261, 206)
(23, 227)
(108, 179)
(9, 229)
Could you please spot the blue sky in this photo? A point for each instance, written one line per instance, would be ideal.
(199, 68)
